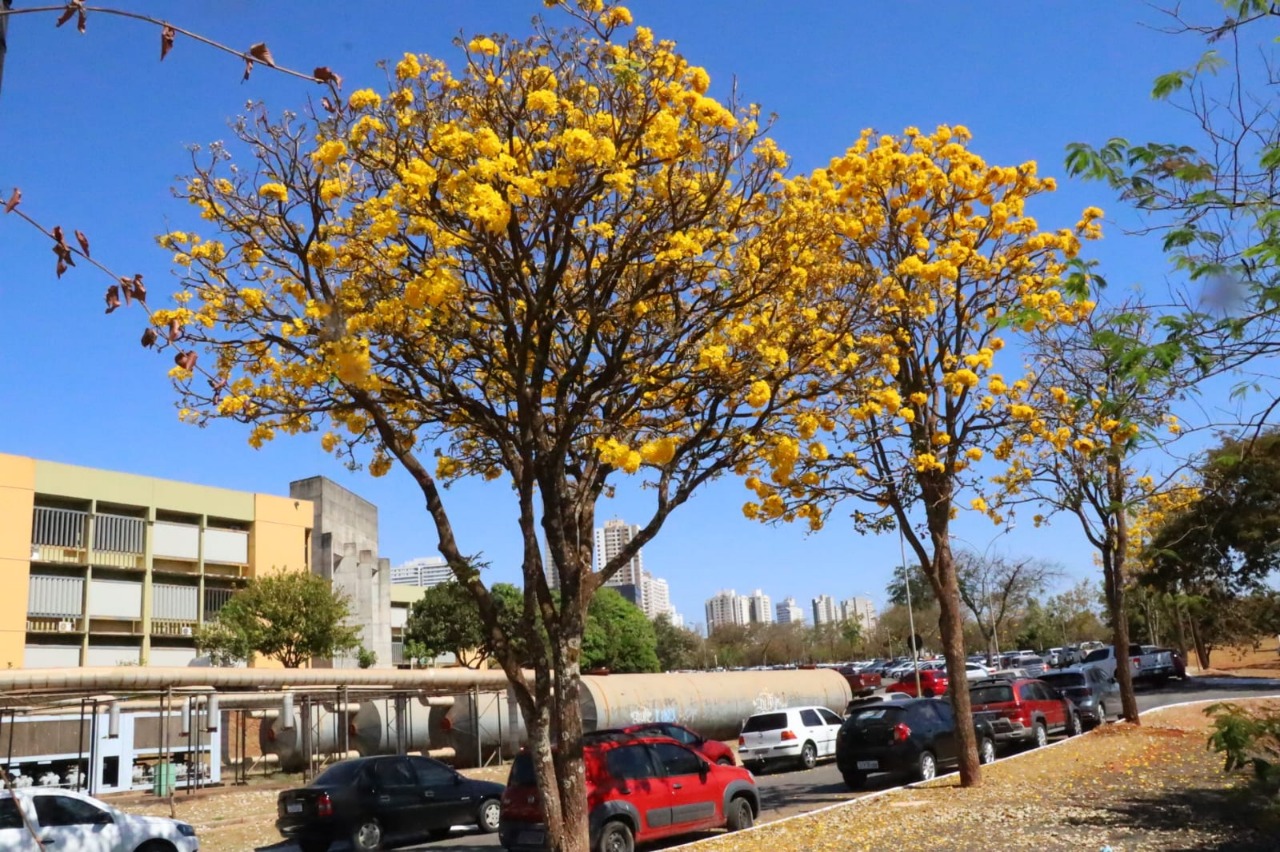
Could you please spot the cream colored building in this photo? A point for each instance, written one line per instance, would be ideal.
(101, 568)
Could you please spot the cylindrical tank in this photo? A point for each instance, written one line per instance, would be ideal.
(712, 703)
(283, 736)
(374, 726)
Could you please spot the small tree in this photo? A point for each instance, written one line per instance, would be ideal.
(676, 647)
(618, 636)
(995, 587)
(291, 616)
(446, 620)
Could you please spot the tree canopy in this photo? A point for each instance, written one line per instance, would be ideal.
(618, 636)
(291, 616)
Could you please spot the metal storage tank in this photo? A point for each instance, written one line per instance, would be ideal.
(711, 703)
(373, 727)
(286, 742)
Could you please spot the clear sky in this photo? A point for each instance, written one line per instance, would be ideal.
(94, 128)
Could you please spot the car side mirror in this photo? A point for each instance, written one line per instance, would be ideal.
(458, 779)
(703, 768)
(103, 818)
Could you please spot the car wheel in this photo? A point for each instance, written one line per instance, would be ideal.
(987, 750)
(756, 767)
(740, 814)
(725, 761)
(927, 768)
(1039, 736)
(490, 815)
(166, 846)
(367, 836)
(809, 755)
(616, 837)
(1073, 724)
(1102, 713)
(855, 780)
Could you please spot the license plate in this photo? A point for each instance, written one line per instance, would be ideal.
(294, 807)
(868, 764)
(531, 838)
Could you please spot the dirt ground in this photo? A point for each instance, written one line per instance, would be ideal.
(1246, 661)
(1154, 787)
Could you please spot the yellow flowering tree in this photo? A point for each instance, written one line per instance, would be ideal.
(941, 243)
(561, 264)
(1103, 408)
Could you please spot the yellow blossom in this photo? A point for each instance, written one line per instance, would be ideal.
(274, 192)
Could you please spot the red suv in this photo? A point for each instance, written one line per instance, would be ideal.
(933, 682)
(713, 750)
(639, 788)
(1023, 710)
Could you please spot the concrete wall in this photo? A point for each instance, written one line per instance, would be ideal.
(344, 547)
(17, 497)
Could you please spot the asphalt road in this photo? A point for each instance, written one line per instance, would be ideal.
(789, 793)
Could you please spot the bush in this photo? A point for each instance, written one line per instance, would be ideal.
(1248, 738)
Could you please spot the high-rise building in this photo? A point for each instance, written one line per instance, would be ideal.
(825, 610)
(610, 540)
(861, 610)
(727, 607)
(760, 608)
(426, 571)
(655, 596)
(789, 612)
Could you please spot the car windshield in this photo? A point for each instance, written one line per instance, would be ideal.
(765, 722)
(1095, 656)
(993, 694)
(1063, 679)
(337, 775)
(522, 772)
(869, 714)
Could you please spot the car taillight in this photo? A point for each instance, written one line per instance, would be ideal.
(901, 732)
(324, 805)
(742, 741)
(1137, 662)
(789, 735)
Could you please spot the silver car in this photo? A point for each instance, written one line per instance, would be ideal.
(1094, 692)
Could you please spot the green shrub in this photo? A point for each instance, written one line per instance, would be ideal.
(1248, 739)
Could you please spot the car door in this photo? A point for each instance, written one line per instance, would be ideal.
(814, 729)
(1051, 706)
(943, 723)
(831, 722)
(13, 828)
(397, 802)
(74, 824)
(695, 795)
(632, 774)
(446, 800)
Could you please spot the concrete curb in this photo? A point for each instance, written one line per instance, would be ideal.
(879, 793)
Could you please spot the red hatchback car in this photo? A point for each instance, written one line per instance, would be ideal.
(933, 682)
(1023, 710)
(713, 750)
(639, 788)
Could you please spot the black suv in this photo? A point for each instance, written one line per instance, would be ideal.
(917, 737)
(384, 802)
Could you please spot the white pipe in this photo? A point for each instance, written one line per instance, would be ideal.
(139, 678)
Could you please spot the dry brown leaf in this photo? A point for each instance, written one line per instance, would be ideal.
(61, 267)
(139, 289)
(167, 36)
(149, 337)
(113, 297)
(83, 241)
(185, 360)
(324, 74)
(327, 104)
(175, 330)
(81, 20)
(260, 52)
(67, 13)
(57, 235)
(14, 199)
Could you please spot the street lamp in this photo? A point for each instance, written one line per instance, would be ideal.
(911, 615)
(986, 595)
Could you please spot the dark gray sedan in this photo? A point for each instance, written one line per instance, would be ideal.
(1092, 690)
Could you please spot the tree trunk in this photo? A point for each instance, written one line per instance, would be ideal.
(570, 773)
(1202, 648)
(1113, 586)
(946, 588)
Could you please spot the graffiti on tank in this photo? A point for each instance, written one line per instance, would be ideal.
(646, 715)
(766, 701)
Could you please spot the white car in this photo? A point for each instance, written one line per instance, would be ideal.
(63, 820)
(794, 733)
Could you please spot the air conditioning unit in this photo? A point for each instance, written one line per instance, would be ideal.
(185, 630)
(65, 626)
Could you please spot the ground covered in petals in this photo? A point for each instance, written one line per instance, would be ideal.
(1154, 787)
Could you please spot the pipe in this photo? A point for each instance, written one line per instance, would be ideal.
(138, 678)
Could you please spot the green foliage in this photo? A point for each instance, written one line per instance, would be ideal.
(365, 658)
(292, 617)
(676, 647)
(446, 620)
(1248, 739)
(618, 636)
(921, 590)
(416, 653)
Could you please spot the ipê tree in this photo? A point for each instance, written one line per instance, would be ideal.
(563, 265)
(291, 616)
(1100, 406)
(942, 243)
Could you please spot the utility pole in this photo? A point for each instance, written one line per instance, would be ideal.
(5, 6)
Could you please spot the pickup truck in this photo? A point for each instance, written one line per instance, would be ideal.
(1156, 666)
(861, 682)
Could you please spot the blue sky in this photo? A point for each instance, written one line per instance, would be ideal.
(94, 128)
